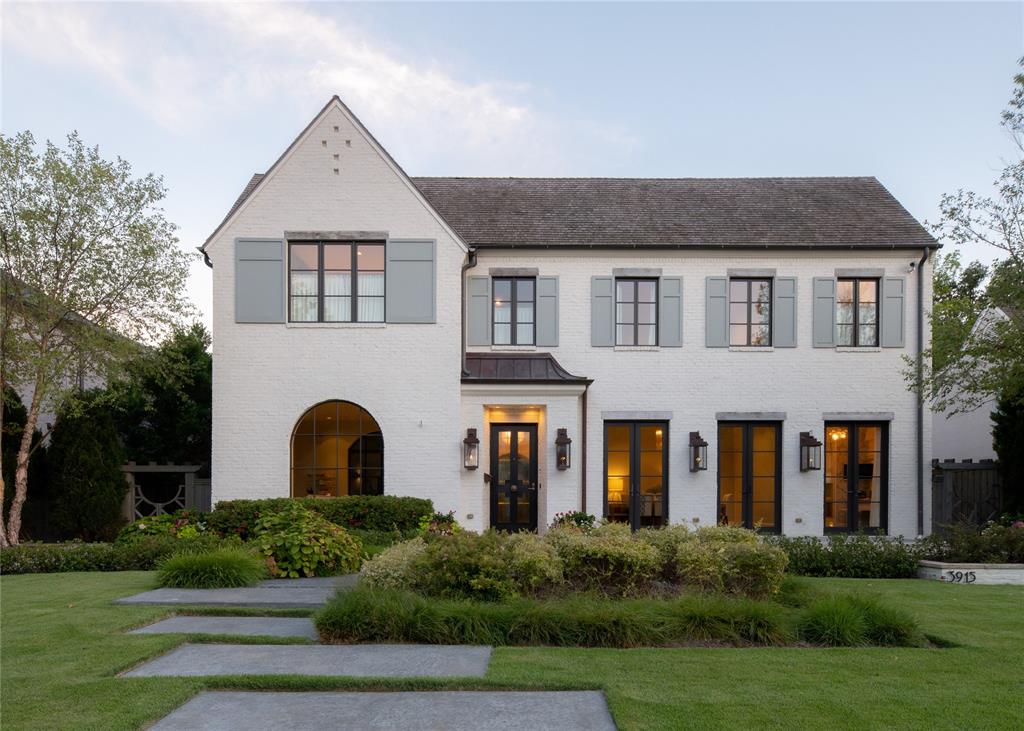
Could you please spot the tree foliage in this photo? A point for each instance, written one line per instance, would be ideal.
(91, 268)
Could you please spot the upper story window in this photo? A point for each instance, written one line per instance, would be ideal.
(750, 312)
(514, 315)
(857, 312)
(332, 281)
(636, 311)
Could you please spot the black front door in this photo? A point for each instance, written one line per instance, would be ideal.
(514, 476)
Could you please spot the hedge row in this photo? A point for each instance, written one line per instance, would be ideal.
(857, 556)
(142, 555)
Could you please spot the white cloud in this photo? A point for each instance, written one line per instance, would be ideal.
(189, 66)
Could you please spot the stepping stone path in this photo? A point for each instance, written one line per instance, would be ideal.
(374, 661)
(358, 711)
(240, 626)
(411, 711)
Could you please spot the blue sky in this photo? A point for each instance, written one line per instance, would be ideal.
(206, 94)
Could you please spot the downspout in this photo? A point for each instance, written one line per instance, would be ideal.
(583, 452)
(920, 395)
(469, 264)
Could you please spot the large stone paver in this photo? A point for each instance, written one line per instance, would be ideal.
(335, 660)
(252, 626)
(413, 711)
(279, 593)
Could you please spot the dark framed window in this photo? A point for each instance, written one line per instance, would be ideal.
(750, 312)
(337, 449)
(636, 473)
(857, 312)
(335, 281)
(636, 311)
(514, 308)
(750, 474)
(856, 476)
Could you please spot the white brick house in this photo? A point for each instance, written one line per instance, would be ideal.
(364, 322)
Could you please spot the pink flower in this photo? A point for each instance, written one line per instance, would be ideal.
(1017, 524)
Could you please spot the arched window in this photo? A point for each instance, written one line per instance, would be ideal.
(337, 449)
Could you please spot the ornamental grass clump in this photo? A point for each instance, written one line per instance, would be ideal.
(847, 620)
(221, 568)
(298, 542)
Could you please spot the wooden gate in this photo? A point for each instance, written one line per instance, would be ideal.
(965, 492)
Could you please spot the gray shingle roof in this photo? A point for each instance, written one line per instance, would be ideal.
(674, 212)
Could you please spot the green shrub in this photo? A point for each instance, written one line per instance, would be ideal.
(574, 519)
(856, 556)
(753, 569)
(439, 524)
(533, 563)
(725, 534)
(699, 565)
(466, 565)
(992, 543)
(366, 512)
(392, 569)
(849, 621)
(298, 542)
(667, 541)
(607, 561)
(372, 615)
(182, 524)
(221, 568)
(141, 555)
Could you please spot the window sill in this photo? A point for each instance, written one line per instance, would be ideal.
(637, 348)
(337, 325)
(855, 349)
(514, 348)
(751, 349)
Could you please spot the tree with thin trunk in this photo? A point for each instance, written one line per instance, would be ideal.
(92, 272)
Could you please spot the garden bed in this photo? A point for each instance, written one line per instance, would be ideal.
(972, 573)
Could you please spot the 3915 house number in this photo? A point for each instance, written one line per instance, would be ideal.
(961, 577)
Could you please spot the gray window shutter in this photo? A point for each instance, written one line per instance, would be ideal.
(547, 311)
(259, 280)
(892, 312)
(670, 312)
(410, 281)
(478, 311)
(784, 313)
(824, 312)
(716, 312)
(602, 311)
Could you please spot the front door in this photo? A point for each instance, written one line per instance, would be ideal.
(514, 477)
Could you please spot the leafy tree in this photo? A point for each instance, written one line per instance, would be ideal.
(164, 401)
(87, 483)
(91, 268)
(15, 416)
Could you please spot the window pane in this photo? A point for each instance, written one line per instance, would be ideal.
(867, 290)
(524, 290)
(651, 439)
(625, 291)
(763, 464)
(764, 438)
(618, 438)
(868, 335)
(761, 312)
(502, 311)
(844, 334)
(502, 334)
(350, 419)
(337, 284)
(304, 284)
(624, 335)
(326, 418)
(502, 290)
(844, 290)
(760, 335)
(327, 451)
(764, 515)
(337, 309)
(338, 256)
(646, 291)
(303, 309)
(764, 489)
(624, 314)
(302, 451)
(730, 513)
(371, 309)
(371, 284)
(761, 291)
(867, 313)
(647, 335)
(370, 257)
(730, 438)
(647, 314)
(524, 334)
(738, 313)
(737, 290)
(844, 312)
(304, 256)
(618, 463)
(524, 312)
(730, 464)
(650, 464)
(737, 335)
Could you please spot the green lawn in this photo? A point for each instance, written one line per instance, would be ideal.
(62, 646)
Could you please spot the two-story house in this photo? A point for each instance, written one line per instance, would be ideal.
(650, 350)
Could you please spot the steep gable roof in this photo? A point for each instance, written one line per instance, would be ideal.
(674, 212)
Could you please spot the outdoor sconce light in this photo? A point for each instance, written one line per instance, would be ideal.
(810, 452)
(471, 450)
(698, 452)
(563, 449)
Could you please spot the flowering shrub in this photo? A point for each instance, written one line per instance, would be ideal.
(298, 542)
(574, 519)
(182, 524)
(393, 568)
(439, 524)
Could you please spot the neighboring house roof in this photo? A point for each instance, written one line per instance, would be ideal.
(517, 368)
(678, 212)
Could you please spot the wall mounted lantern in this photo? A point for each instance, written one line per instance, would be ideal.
(471, 450)
(810, 452)
(563, 449)
(698, 452)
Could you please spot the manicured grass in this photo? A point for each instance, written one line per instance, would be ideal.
(62, 647)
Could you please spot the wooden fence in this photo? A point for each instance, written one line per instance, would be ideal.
(965, 492)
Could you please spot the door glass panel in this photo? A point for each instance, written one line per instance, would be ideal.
(504, 456)
(523, 508)
(764, 515)
(764, 438)
(730, 438)
(504, 508)
(618, 438)
(524, 459)
(747, 466)
(651, 503)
